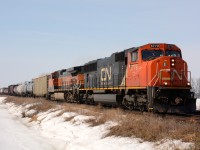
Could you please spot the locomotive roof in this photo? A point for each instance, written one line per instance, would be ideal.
(91, 62)
(130, 50)
(42, 75)
(124, 51)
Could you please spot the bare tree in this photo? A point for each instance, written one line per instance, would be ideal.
(196, 87)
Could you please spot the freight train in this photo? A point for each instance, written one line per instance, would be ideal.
(152, 77)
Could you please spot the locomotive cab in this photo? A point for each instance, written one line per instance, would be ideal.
(163, 77)
(157, 65)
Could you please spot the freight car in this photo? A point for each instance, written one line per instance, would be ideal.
(11, 90)
(152, 77)
(40, 86)
(1, 90)
(18, 89)
(29, 89)
(4, 91)
(23, 89)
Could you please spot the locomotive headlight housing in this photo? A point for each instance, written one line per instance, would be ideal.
(172, 62)
(165, 83)
(188, 84)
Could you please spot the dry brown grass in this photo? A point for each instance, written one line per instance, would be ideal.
(105, 115)
(34, 118)
(153, 128)
(147, 126)
(69, 118)
(40, 104)
(20, 100)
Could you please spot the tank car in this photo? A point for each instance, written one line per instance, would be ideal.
(24, 89)
(1, 90)
(5, 91)
(11, 90)
(19, 89)
(29, 89)
(15, 90)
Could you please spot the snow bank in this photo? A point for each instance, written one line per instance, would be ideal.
(198, 104)
(2, 99)
(15, 136)
(76, 134)
(71, 131)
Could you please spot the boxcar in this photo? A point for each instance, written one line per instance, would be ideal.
(40, 86)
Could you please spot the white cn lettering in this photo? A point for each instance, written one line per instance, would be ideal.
(106, 73)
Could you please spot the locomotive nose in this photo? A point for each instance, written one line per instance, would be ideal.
(171, 71)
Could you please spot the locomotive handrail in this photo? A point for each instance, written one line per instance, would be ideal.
(154, 76)
(161, 77)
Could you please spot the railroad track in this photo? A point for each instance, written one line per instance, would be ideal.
(193, 118)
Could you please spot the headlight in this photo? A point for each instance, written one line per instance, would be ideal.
(165, 83)
(188, 83)
(172, 62)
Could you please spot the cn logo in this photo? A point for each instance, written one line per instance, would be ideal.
(106, 73)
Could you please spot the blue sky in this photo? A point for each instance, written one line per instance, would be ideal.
(41, 36)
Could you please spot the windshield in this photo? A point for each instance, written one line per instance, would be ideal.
(151, 54)
(173, 53)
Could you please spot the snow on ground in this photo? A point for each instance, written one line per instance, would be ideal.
(14, 135)
(53, 132)
(198, 104)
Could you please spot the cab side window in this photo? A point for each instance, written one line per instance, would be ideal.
(134, 56)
